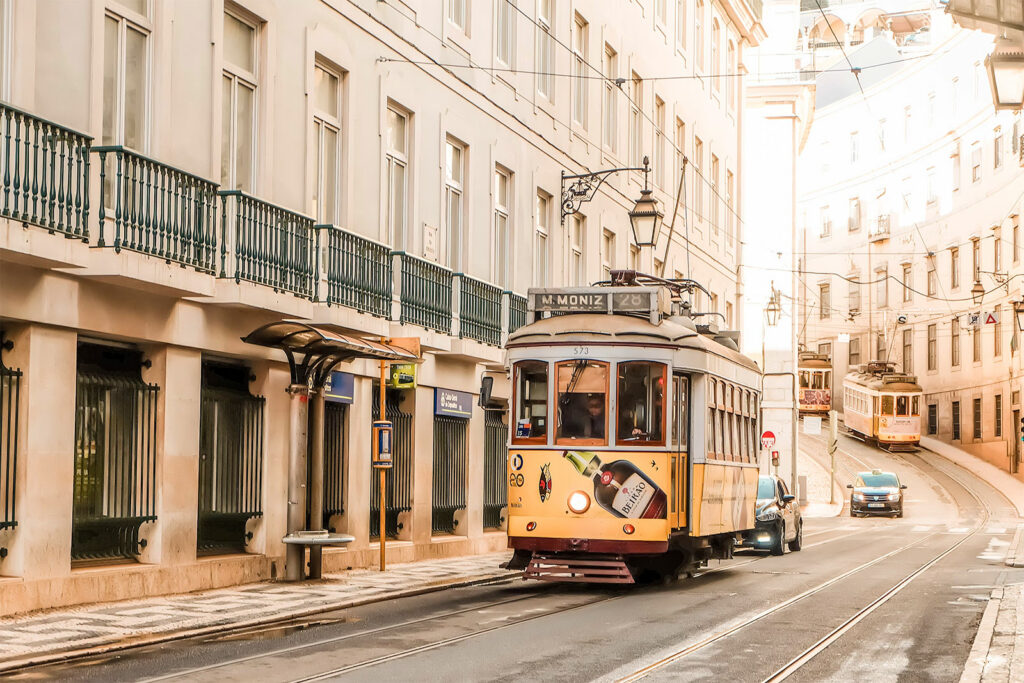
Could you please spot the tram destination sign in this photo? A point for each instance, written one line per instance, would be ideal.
(594, 300)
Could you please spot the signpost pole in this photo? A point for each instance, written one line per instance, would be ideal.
(383, 475)
(833, 435)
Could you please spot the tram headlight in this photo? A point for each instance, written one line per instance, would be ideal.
(578, 502)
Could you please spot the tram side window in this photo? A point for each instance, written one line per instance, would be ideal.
(680, 416)
(915, 407)
(582, 402)
(641, 403)
(887, 405)
(531, 402)
(712, 418)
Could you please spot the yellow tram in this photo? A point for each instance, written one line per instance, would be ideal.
(815, 393)
(882, 405)
(634, 440)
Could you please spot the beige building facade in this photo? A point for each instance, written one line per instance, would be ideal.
(177, 174)
(912, 193)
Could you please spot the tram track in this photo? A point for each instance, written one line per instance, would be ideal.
(820, 645)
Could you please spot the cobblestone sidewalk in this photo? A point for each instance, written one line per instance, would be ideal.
(52, 634)
(998, 652)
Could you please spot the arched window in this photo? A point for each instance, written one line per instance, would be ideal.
(716, 51)
(698, 34)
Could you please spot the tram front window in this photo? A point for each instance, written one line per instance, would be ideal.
(531, 402)
(887, 403)
(804, 383)
(582, 402)
(641, 403)
(818, 380)
(903, 406)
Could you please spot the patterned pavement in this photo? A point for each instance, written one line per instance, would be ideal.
(42, 635)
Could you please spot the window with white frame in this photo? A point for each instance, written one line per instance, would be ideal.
(716, 53)
(997, 147)
(975, 162)
(125, 78)
(908, 282)
(6, 18)
(826, 221)
(607, 254)
(661, 11)
(546, 48)
(681, 23)
(715, 179)
(659, 141)
(730, 203)
(824, 301)
(636, 120)
(502, 201)
(997, 249)
(634, 257)
(327, 141)
(396, 162)
(580, 83)
(540, 240)
(698, 180)
(955, 165)
(932, 191)
(578, 236)
(954, 268)
(680, 144)
(882, 287)
(458, 13)
(610, 131)
(698, 34)
(732, 90)
(454, 160)
(238, 107)
(505, 33)
(854, 147)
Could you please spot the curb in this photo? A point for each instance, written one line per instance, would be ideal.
(144, 640)
(974, 667)
(1015, 556)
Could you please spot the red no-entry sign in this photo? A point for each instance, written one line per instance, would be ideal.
(767, 439)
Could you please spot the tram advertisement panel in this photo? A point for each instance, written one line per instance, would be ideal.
(589, 493)
(899, 427)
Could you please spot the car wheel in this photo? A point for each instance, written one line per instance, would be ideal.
(778, 543)
(798, 540)
(900, 513)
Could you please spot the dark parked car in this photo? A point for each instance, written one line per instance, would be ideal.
(876, 493)
(778, 518)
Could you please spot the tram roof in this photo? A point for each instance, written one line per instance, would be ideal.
(814, 364)
(884, 383)
(602, 328)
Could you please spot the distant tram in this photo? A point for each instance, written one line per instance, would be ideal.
(634, 439)
(882, 405)
(815, 393)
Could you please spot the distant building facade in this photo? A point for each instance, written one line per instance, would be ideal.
(910, 195)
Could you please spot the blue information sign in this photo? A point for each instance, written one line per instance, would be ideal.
(340, 387)
(453, 403)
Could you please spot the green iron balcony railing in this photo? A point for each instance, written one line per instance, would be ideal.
(157, 209)
(426, 293)
(516, 311)
(479, 310)
(359, 271)
(267, 244)
(45, 173)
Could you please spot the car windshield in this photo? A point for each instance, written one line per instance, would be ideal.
(765, 487)
(882, 480)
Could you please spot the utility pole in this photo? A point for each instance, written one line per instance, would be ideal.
(833, 436)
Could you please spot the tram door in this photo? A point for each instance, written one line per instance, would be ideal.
(680, 419)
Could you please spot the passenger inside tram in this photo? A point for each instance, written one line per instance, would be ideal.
(582, 401)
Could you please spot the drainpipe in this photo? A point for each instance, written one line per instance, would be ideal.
(792, 394)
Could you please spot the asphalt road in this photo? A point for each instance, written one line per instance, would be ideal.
(866, 599)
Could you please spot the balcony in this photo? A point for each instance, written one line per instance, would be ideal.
(879, 228)
(157, 209)
(45, 173)
(266, 244)
(359, 271)
(425, 293)
(516, 311)
(479, 310)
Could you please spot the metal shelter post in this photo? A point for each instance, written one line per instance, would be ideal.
(295, 558)
(316, 481)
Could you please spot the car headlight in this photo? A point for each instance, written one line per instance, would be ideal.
(894, 496)
(578, 502)
(858, 496)
(768, 513)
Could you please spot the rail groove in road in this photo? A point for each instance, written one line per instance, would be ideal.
(800, 660)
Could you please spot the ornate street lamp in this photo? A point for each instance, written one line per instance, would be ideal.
(645, 218)
(1005, 68)
(774, 309)
(1018, 310)
(583, 187)
(977, 292)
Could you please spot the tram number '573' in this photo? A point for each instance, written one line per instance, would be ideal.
(581, 350)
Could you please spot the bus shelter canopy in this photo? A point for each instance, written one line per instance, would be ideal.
(313, 351)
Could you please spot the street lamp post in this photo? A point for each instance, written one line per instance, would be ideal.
(772, 312)
(977, 292)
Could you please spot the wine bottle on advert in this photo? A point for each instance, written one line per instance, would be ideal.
(620, 487)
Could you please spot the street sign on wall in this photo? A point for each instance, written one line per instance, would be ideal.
(453, 403)
(339, 388)
(767, 440)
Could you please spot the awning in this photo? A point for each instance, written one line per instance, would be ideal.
(321, 349)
